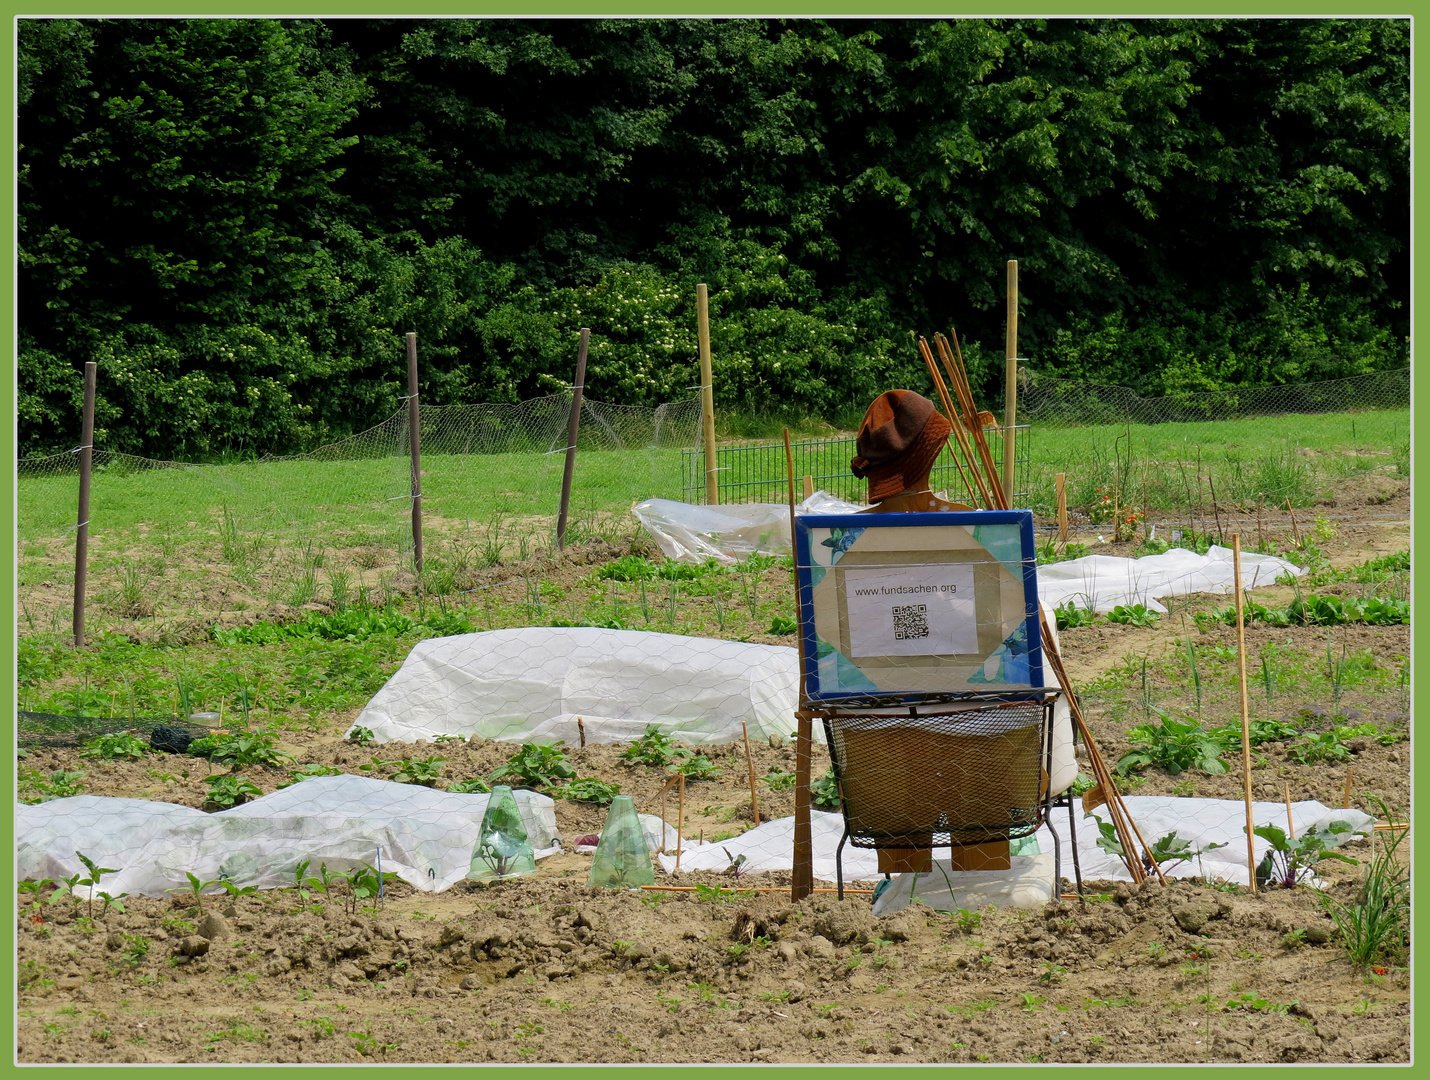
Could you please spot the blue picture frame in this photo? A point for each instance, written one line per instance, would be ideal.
(839, 682)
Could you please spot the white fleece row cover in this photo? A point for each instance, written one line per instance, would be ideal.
(532, 684)
(692, 533)
(1202, 822)
(424, 836)
(1102, 582)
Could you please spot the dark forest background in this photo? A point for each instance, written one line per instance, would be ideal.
(239, 219)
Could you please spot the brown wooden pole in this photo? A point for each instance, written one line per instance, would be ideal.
(680, 822)
(1062, 485)
(573, 428)
(808, 486)
(414, 423)
(1010, 398)
(802, 875)
(1290, 828)
(81, 540)
(1295, 529)
(750, 764)
(1245, 707)
(707, 394)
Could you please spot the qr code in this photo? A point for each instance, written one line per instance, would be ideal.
(911, 621)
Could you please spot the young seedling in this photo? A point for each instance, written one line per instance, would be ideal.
(96, 872)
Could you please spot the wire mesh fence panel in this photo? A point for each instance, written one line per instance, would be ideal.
(758, 472)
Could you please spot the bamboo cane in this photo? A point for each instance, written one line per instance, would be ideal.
(1062, 484)
(1290, 828)
(1295, 529)
(680, 822)
(957, 432)
(1245, 706)
(965, 393)
(1346, 802)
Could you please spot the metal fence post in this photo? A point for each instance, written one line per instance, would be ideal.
(81, 540)
(572, 429)
(414, 424)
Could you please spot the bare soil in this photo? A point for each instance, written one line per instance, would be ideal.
(544, 969)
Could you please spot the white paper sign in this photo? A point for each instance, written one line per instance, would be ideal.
(911, 611)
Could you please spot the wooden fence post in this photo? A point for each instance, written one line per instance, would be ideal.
(707, 394)
(1010, 398)
(414, 423)
(81, 540)
(1062, 482)
(572, 429)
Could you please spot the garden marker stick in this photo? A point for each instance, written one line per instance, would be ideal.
(750, 763)
(1290, 829)
(1245, 707)
(1346, 802)
(81, 537)
(808, 486)
(1295, 529)
(802, 873)
(680, 821)
(573, 428)
(707, 393)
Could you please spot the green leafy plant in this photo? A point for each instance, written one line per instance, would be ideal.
(698, 767)
(783, 626)
(824, 792)
(229, 789)
(779, 780)
(1070, 615)
(361, 735)
(654, 749)
(588, 789)
(424, 772)
(718, 894)
(474, 786)
(1134, 615)
(241, 750)
(1173, 745)
(308, 771)
(1289, 862)
(117, 746)
(96, 873)
(536, 766)
(62, 784)
(1258, 732)
(196, 886)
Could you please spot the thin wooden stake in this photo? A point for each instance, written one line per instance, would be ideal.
(1295, 529)
(1290, 828)
(1062, 487)
(581, 730)
(680, 823)
(808, 486)
(1346, 802)
(1221, 537)
(802, 874)
(81, 538)
(750, 762)
(1260, 534)
(957, 432)
(1245, 706)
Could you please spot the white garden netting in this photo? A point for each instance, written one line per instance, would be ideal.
(1201, 822)
(1102, 582)
(689, 533)
(530, 684)
(423, 836)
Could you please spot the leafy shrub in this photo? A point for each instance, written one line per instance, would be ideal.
(60, 784)
(361, 735)
(1050, 552)
(588, 789)
(1175, 746)
(1324, 746)
(1258, 732)
(119, 745)
(536, 766)
(779, 780)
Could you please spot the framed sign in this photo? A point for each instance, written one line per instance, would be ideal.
(907, 608)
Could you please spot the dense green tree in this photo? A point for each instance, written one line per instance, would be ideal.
(241, 217)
